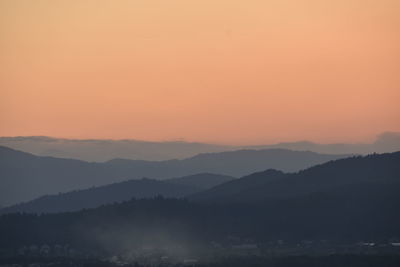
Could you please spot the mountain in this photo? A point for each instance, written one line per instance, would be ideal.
(97, 196)
(235, 187)
(385, 143)
(100, 150)
(26, 176)
(118, 192)
(341, 202)
(232, 163)
(345, 216)
(370, 170)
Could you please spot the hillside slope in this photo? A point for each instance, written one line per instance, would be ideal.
(373, 169)
(25, 176)
(118, 192)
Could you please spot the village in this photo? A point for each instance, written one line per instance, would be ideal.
(35, 255)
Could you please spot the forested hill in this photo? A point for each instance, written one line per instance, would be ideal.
(365, 208)
(371, 170)
(26, 176)
(118, 192)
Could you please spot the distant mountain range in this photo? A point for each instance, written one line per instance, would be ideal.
(100, 150)
(25, 176)
(363, 172)
(344, 201)
(384, 143)
(118, 192)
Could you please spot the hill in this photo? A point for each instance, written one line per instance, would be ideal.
(346, 217)
(372, 169)
(225, 191)
(344, 201)
(26, 176)
(97, 196)
(100, 150)
(119, 192)
(384, 143)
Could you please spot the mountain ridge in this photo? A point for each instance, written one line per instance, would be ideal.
(26, 176)
(374, 168)
(360, 206)
(118, 192)
(100, 150)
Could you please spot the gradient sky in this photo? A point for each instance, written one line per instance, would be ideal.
(225, 71)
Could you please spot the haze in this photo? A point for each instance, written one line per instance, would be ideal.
(235, 72)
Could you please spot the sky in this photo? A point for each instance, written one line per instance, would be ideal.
(220, 71)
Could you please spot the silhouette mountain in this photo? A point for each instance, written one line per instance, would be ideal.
(232, 163)
(97, 196)
(25, 176)
(385, 143)
(343, 201)
(367, 170)
(118, 192)
(100, 150)
(232, 188)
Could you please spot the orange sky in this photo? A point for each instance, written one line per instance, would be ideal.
(225, 71)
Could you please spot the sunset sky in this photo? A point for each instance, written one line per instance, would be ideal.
(221, 71)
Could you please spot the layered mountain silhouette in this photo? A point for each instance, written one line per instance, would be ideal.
(385, 143)
(367, 171)
(348, 200)
(100, 150)
(25, 176)
(226, 191)
(119, 192)
(95, 197)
